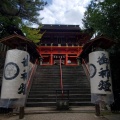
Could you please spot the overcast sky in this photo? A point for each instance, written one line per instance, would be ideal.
(64, 12)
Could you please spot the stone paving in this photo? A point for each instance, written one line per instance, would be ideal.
(113, 117)
(62, 116)
(56, 116)
(75, 113)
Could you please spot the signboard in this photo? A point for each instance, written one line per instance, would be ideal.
(15, 74)
(100, 75)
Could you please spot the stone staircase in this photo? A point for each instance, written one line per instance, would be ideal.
(76, 81)
(47, 81)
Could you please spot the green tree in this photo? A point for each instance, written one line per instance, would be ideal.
(103, 17)
(13, 13)
(32, 33)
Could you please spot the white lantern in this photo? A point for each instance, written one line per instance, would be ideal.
(100, 75)
(15, 74)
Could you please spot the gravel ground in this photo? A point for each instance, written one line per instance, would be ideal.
(56, 116)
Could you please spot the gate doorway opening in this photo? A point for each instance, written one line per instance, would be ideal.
(56, 59)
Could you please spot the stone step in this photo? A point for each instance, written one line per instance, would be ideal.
(54, 99)
(43, 82)
(43, 89)
(40, 104)
(54, 95)
(64, 79)
(44, 104)
(58, 86)
(49, 73)
(58, 83)
(64, 75)
(53, 92)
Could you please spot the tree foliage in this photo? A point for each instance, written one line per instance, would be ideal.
(32, 33)
(13, 13)
(103, 17)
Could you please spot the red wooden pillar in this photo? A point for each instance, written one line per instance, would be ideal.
(51, 59)
(66, 59)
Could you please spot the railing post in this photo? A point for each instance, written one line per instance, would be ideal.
(86, 65)
(51, 59)
(33, 70)
(97, 109)
(30, 79)
(61, 82)
(21, 113)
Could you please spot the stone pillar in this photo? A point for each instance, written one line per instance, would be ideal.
(41, 61)
(78, 61)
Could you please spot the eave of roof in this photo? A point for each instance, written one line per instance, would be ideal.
(15, 40)
(63, 27)
(101, 42)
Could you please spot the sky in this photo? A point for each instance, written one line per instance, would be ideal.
(68, 12)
